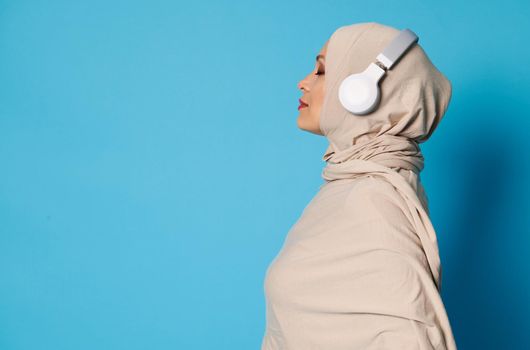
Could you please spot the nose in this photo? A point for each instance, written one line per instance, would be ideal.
(302, 85)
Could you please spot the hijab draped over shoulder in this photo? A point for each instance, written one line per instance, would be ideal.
(360, 269)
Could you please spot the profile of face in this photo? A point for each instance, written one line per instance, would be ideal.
(312, 87)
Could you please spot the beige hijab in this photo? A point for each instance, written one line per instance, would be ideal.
(360, 267)
(414, 98)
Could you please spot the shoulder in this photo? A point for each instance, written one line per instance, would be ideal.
(373, 196)
(372, 185)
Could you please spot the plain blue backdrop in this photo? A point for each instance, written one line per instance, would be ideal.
(151, 165)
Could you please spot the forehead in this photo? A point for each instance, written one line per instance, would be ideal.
(321, 57)
(323, 51)
(324, 48)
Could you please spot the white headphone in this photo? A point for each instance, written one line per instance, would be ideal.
(359, 93)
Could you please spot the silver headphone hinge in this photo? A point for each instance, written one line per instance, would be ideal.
(382, 66)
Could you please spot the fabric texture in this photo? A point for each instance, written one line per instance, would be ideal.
(360, 269)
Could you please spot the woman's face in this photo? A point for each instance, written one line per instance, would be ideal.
(312, 99)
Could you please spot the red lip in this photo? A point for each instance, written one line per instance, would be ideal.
(302, 104)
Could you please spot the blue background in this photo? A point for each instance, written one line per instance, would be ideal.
(151, 165)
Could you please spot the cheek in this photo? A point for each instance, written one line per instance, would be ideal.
(317, 95)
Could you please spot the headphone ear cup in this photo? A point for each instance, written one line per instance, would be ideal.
(359, 93)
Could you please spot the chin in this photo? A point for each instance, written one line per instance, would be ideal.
(302, 124)
(298, 122)
(305, 124)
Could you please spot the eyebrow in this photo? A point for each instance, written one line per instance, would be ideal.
(320, 56)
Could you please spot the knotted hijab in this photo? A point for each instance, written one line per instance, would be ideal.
(414, 98)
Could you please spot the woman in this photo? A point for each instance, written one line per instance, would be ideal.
(360, 269)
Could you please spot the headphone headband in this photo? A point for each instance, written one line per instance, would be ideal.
(397, 48)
